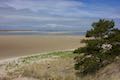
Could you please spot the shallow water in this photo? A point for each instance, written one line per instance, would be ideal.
(42, 33)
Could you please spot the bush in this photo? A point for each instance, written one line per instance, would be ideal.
(88, 64)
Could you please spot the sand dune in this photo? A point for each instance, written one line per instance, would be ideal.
(14, 45)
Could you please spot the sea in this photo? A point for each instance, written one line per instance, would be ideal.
(42, 32)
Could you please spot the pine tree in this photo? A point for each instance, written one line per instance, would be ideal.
(101, 49)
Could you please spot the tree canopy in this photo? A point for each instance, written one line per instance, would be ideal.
(100, 28)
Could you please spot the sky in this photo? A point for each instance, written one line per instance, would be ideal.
(56, 14)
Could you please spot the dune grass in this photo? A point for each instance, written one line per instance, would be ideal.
(48, 66)
(54, 66)
(39, 57)
(58, 69)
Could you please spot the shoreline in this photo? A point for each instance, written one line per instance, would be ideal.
(44, 33)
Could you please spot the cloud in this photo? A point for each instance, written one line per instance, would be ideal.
(43, 4)
(55, 13)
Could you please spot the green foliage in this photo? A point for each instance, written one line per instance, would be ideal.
(79, 50)
(100, 28)
(88, 65)
(99, 51)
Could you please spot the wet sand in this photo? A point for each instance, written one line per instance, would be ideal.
(22, 45)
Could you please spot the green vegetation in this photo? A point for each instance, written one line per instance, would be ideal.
(47, 55)
(101, 49)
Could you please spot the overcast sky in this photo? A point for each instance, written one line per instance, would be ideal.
(56, 14)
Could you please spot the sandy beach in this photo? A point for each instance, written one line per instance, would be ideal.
(22, 45)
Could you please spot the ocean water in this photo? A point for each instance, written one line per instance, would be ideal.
(42, 33)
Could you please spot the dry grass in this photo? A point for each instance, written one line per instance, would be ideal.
(59, 69)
